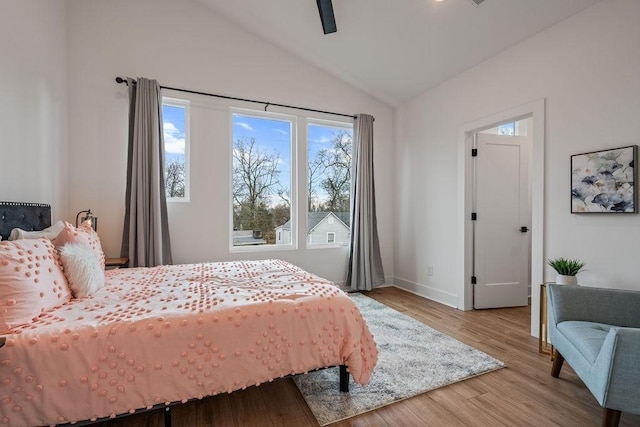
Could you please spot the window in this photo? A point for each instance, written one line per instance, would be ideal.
(328, 182)
(175, 122)
(262, 149)
(507, 129)
(516, 128)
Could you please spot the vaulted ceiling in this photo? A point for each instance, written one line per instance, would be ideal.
(397, 49)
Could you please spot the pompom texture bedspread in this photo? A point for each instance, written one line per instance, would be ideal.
(172, 333)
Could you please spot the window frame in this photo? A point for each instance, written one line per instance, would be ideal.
(331, 233)
(293, 178)
(186, 104)
(344, 124)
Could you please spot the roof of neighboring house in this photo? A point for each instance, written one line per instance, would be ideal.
(314, 218)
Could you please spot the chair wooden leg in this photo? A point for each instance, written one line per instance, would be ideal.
(558, 360)
(610, 417)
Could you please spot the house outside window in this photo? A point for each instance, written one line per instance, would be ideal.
(331, 237)
(175, 123)
(263, 147)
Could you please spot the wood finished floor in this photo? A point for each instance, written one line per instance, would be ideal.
(523, 394)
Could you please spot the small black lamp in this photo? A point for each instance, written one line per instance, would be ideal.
(93, 220)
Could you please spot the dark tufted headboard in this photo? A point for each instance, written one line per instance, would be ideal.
(28, 216)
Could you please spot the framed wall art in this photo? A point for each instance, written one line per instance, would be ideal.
(604, 181)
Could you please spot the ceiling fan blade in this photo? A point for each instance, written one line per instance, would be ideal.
(326, 16)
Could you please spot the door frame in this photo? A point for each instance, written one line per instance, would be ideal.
(535, 109)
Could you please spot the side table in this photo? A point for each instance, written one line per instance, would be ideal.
(544, 346)
(116, 262)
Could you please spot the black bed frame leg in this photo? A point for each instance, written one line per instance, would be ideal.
(344, 379)
(167, 416)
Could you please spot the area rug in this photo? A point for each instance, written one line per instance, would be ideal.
(413, 358)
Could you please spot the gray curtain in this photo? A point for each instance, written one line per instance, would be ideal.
(145, 237)
(365, 264)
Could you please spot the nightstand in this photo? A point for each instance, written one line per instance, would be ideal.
(110, 263)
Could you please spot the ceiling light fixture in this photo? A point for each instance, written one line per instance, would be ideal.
(325, 8)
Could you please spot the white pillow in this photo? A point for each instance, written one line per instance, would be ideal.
(82, 269)
(48, 233)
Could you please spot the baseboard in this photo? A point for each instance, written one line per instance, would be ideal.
(388, 282)
(425, 291)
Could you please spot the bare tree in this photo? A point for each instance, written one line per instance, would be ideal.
(255, 178)
(336, 178)
(174, 179)
(285, 195)
(313, 180)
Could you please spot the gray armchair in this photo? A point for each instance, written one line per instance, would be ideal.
(597, 331)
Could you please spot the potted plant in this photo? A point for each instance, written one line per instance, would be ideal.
(566, 269)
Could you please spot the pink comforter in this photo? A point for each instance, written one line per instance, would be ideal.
(172, 333)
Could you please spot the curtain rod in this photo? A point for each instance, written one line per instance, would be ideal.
(120, 80)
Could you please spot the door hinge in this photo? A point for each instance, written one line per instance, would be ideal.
(473, 280)
(474, 152)
(474, 216)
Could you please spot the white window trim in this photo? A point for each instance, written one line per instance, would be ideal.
(186, 104)
(293, 177)
(332, 233)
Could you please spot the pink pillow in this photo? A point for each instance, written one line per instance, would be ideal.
(83, 234)
(31, 281)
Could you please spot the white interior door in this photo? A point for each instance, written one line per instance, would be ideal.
(501, 250)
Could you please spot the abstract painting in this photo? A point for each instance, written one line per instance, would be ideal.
(604, 181)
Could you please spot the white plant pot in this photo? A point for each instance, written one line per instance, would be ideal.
(566, 280)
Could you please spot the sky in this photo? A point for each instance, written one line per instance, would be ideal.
(173, 118)
(275, 135)
(272, 135)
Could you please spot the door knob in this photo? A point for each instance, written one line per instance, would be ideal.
(523, 229)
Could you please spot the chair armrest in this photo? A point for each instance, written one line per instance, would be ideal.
(622, 346)
(601, 305)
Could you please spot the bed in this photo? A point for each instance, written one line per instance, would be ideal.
(156, 336)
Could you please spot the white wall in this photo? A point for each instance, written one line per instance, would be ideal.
(184, 44)
(587, 68)
(33, 105)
